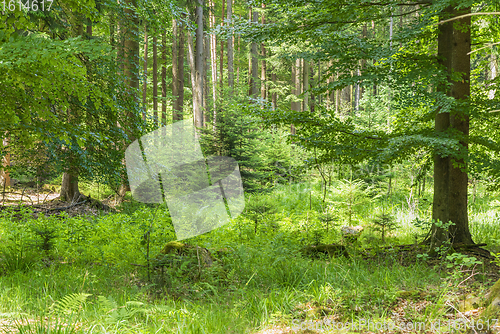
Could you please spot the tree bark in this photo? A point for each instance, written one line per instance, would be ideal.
(155, 78)
(221, 79)
(131, 55)
(295, 106)
(450, 175)
(178, 71)
(263, 68)
(145, 74)
(493, 73)
(238, 62)
(198, 91)
(192, 67)
(230, 49)
(175, 72)
(6, 181)
(69, 185)
(305, 80)
(213, 54)
(459, 121)
(206, 107)
(164, 78)
(254, 62)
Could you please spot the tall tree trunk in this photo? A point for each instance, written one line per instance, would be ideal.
(192, 67)
(450, 182)
(164, 78)
(206, 107)
(213, 54)
(230, 49)
(112, 23)
(363, 65)
(346, 99)
(155, 78)
(295, 106)
(6, 182)
(175, 72)
(274, 95)
(313, 83)
(459, 121)
(131, 65)
(254, 61)
(263, 68)
(180, 72)
(69, 185)
(145, 74)
(493, 73)
(305, 80)
(221, 84)
(374, 31)
(238, 62)
(337, 99)
(198, 91)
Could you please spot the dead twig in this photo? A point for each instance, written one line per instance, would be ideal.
(61, 208)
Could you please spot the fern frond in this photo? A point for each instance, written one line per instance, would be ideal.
(70, 303)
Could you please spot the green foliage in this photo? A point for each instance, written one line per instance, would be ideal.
(384, 223)
(70, 304)
(354, 195)
(258, 208)
(458, 260)
(264, 158)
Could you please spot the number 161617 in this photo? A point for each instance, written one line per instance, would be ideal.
(26, 5)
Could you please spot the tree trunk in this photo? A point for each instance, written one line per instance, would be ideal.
(145, 74)
(255, 76)
(206, 107)
(230, 49)
(155, 79)
(198, 91)
(313, 83)
(493, 73)
(175, 72)
(346, 99)
(178, 70)
(213, 54)
(450, 183)
(112, 29)
(131, 55)
(192, 67)
(305, 80)
(6, 182)
(69, 187)
(180, 73)
(274, 96)
(238, 62)
(221, 84)
(164, 78)
(263, 84)
(295, 106)
(459, 121)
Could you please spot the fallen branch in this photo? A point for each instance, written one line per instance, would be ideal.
(61, 208)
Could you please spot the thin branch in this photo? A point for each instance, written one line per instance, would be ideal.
(466, 15)
(484, 47)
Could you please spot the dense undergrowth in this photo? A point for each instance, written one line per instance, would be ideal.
(89, 274)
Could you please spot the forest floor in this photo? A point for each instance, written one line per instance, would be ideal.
(90, 277)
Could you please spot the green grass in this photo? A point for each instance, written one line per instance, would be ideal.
(92, 278)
